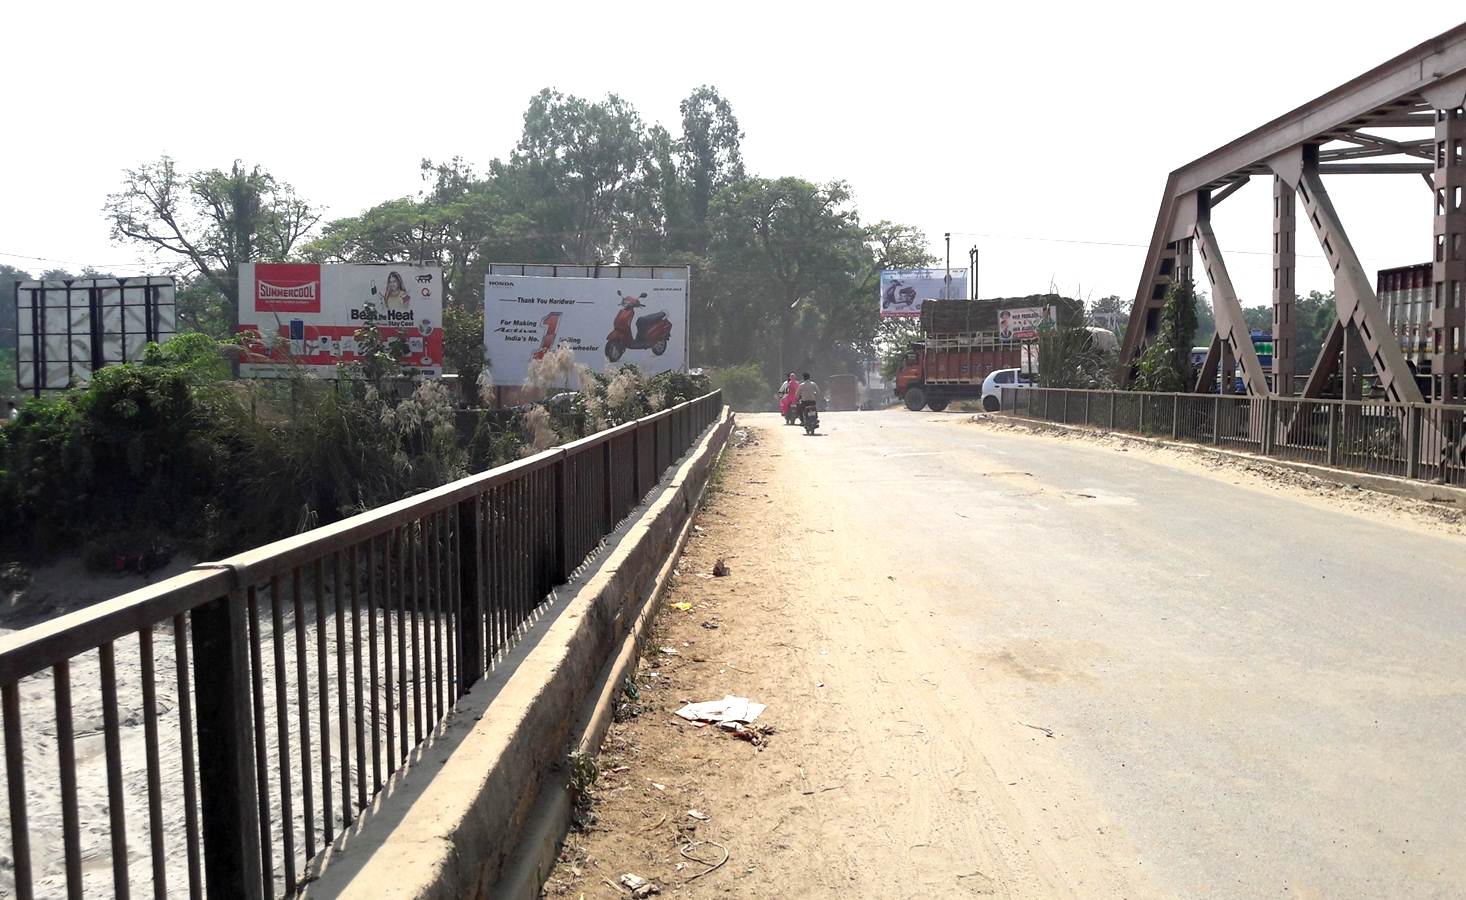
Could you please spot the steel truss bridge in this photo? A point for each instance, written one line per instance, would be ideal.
(1405, 116)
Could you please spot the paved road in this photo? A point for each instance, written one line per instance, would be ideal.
(1252, 691)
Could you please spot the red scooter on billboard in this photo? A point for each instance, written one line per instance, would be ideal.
(653, 330)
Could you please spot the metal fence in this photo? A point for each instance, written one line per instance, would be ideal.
(278, 690)
(1409, 440)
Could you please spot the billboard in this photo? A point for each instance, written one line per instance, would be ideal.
(307, 314)
(1021, 324)
(65, 330)
(902, 290)
(604, 321)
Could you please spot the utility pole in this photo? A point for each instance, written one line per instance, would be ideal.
(972, 263)
(947, 283)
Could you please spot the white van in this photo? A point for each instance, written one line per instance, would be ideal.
(1001, 378)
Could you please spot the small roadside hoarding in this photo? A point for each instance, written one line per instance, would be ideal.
(307, 314)
(903, 290)
(1022, 324)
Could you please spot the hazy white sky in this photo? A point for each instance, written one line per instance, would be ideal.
(1024, 128)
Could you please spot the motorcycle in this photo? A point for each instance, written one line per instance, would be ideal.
(653, 330)
(791, 411)
(809, 416)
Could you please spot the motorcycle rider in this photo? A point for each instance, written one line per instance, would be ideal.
(809, 392)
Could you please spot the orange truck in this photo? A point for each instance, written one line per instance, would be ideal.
(940, 369)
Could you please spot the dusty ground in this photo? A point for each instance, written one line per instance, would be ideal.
(875, 781)
(1255, 473)
(1008, 663)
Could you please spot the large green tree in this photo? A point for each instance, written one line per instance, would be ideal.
(783, 253)
(581, 171)
(710, 157)
(462, 221)
(208, 222)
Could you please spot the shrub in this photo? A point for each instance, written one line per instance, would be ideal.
(743, 387)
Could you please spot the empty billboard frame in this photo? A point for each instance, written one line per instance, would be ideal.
(66, 330)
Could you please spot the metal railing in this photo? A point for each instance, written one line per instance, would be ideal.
(1421, 441)
(278, 690)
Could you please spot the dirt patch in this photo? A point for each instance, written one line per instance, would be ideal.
(1253, 473)
(861, 781)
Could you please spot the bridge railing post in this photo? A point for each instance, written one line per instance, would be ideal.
(1216, 420)
(1265, 439)
(1112, 410)
(1141, 429)
(470, 602)
(1412, 441)
(1332, 451)
(228, 813)
(1175, 416)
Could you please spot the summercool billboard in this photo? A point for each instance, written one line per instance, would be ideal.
(604, 321)
(307, 315)
(902, 290)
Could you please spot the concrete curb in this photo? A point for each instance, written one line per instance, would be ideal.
(539, 843)
(1384, 484)
(475, 808)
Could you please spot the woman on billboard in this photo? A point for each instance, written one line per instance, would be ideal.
(396, 296)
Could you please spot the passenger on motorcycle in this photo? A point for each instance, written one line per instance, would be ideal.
(788, 394)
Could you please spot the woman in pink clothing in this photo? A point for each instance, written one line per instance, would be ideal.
(790, 394)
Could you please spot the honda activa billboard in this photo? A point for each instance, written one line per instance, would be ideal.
(307, 314)
(902, 290)
(603, 321)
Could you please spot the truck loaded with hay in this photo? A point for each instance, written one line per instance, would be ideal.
(962, 341)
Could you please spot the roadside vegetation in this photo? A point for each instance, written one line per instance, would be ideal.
(173, 455)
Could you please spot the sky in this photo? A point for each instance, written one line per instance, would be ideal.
(1041, 133)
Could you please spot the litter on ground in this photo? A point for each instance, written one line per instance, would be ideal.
(716, 712)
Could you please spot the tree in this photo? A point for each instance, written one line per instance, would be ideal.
(9, 275)
(1110, 312)
(210, 221)
(1313, 316)
(1258, 318)
(462, 221)
(711, 156)
(1206, 321)
(577, 169)
(777, 244)
(1166, 364)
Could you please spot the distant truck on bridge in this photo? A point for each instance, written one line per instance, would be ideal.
(963, 341)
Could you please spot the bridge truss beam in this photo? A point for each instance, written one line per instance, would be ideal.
(1336, 134)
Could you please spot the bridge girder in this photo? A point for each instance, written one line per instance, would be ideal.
(1335, 134)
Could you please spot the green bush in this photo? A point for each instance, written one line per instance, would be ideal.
(743, 387)
(1166, 363)
(172, 454)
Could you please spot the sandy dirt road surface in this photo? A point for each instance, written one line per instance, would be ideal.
(1002, 664)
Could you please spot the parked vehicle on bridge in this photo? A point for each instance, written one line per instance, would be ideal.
(992, 386)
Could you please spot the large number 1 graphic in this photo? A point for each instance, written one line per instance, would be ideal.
(551, 321)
